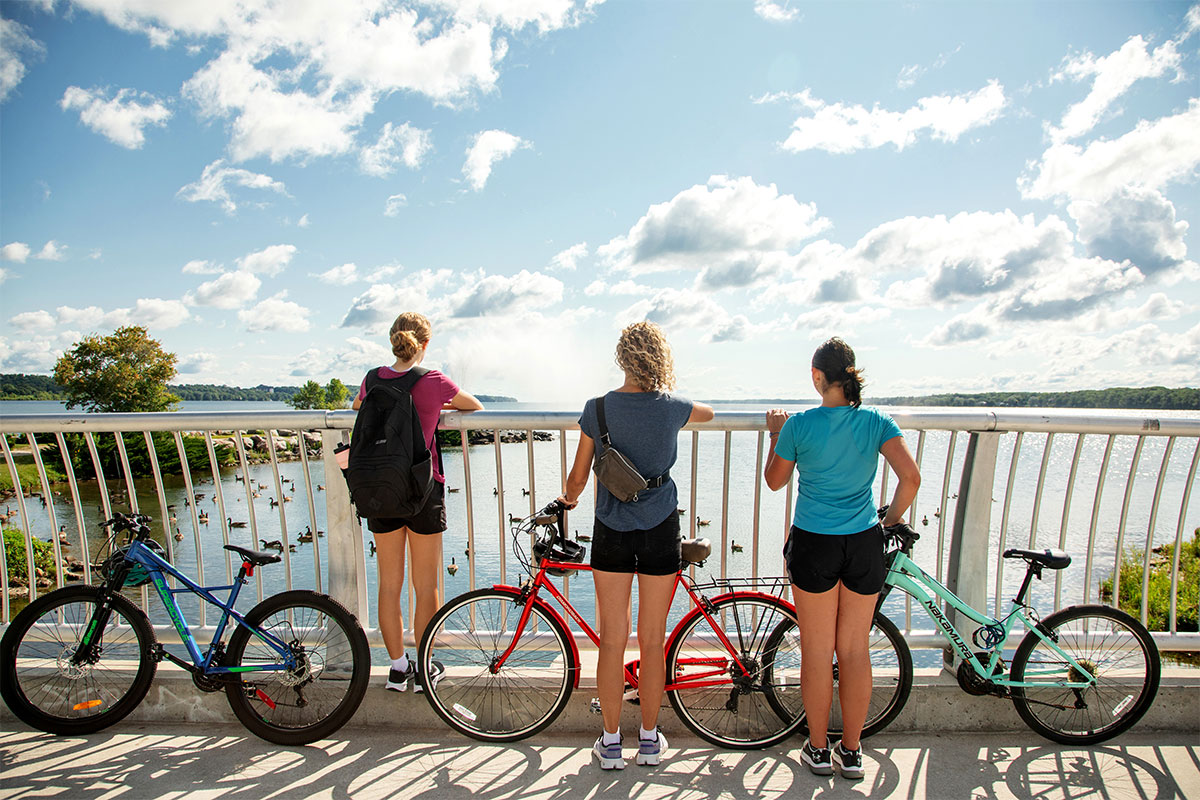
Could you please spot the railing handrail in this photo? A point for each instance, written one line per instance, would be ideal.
(1147, 423)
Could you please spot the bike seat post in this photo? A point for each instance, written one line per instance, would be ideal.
(1034, 570)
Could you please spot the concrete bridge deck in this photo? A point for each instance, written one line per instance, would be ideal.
(162, 760)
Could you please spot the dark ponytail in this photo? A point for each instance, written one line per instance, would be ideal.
(835, 359)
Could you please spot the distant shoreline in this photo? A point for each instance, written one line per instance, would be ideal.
(1146, 397)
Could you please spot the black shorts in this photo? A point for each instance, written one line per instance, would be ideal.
(654, 551)
(429, 520)
(817, 561)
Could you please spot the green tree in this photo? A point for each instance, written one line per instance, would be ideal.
(311, 395)
(336, 394)
(125, 371)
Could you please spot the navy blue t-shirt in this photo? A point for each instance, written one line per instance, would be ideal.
(644, 427)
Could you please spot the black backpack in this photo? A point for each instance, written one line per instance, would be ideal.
(391, 469)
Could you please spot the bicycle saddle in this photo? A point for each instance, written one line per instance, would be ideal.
(255, 557)
(695, 551)
(1049, 558)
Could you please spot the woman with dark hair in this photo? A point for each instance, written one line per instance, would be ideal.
(834, 551)
(422, 533)
(643, 422)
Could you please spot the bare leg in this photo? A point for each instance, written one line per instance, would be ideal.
(612, 620)
(854, 615)
(817, 615)
(426, 552)
(654, 601)
(389, 557)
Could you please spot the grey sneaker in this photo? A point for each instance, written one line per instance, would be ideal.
(849, 761)
(817, 759)
(399, 681)
(609, 755)
(650, 751)
(436, 671)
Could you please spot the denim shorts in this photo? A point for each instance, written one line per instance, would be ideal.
(653, 551)
(430, 519)
(817, 561)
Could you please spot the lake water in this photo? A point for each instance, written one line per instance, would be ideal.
(528, 486)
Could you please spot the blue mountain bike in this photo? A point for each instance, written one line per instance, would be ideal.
(81, 658)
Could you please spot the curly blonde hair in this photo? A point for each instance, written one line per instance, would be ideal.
(644, 354)
(410, 332)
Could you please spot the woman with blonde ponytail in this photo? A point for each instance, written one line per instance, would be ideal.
(834, 551)
(422, 533)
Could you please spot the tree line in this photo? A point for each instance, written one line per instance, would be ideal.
(1150, 397)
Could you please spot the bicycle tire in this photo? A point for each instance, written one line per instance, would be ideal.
(313, 700)
(467, 635)
(45, 691)
(737, 711)
(1113, 647)
(891, 675)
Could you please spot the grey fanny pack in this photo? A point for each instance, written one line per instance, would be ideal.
(616, 472)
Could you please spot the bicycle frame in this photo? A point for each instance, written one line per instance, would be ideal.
(904, 574)
(156, 566)
(530, 595)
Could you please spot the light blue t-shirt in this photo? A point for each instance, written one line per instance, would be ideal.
(643, 427)
(836, 451)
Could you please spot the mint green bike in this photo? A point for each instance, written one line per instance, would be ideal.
(1082, 675)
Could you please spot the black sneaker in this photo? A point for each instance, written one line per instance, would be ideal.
(850, 761)
(398, 680)
(817, 759)
(436, 671)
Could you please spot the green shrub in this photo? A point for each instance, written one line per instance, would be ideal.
(15, 562)
(1159, 617)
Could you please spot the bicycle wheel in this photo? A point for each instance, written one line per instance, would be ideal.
(468, 635)
(1111, 647)
(42, 686)
(726, 696)
(891, 675)
(316, 697)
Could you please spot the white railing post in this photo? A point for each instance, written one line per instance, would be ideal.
(347, 563)
(968, 570)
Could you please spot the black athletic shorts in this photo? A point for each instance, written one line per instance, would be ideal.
(817, 561)
(430, 519)
(654, 551)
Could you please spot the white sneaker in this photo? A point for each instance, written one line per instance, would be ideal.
(650, 751)
(609, 755)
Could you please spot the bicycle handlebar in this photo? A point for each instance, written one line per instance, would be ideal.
(126, 522)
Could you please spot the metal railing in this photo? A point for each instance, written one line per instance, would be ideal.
(994, 478)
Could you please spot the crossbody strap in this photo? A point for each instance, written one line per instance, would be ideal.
(605, 440)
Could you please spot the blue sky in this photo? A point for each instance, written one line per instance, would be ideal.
(977, 196)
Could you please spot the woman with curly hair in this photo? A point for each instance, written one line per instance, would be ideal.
(641, 537)
(432, 393)
(834, 550)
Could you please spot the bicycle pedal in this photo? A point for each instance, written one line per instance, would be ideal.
(632, 697)
(594, 706)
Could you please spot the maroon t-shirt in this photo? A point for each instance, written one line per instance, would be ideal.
(429, 394)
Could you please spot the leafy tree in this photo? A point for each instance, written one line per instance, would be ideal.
(16, 563)
(125, 371)
(336, 394)
(311, 395)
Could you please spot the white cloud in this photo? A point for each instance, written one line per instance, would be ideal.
(1152, 155)
(1113, 75)
(15, 251)
(269, 261)
(842, 128)
(52, 251)
(231, 290)
(773, 11)
(215, 180)
(910, 74)
(193, 363)
(303, 222)
(4, 275)
(394, 204)
(151, 312)
(732, 231)
(121, 119)
(486, 149)
(625, 288)
(395, 145)
(201, 267)
(156, 313)
(276, 314)
(567, 260)
(344, 275)
(1135, 225)
(14, 40)
(379, 304)
(33, 321)
(498, 294)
